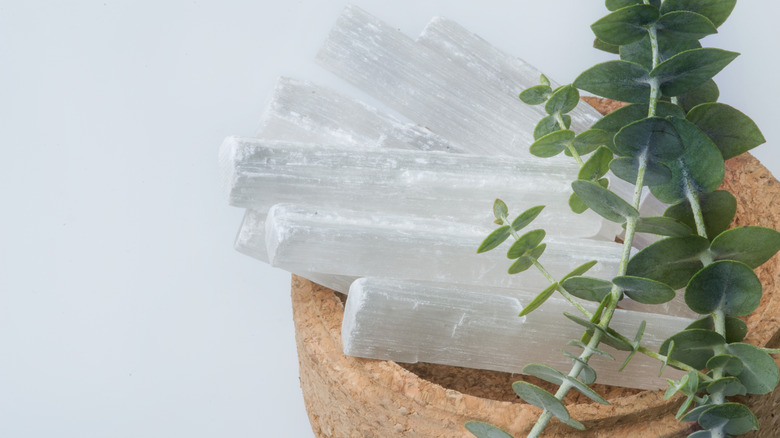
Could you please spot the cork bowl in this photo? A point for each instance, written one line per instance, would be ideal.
(350, 397)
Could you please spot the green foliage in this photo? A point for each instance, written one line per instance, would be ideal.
(732, 131)
(619, 80)
(750, 245)
(694, 346)
(587, 288)
(729, 286)
(625, 25)
(672, 261)
(663, 226)
(735, 330)
(540, 398)
(607, 204)
(485, 430)
(689, 69)
(732, 418)
(644, 290)
(718, 208)
(539, 299)
(716, 11)
(552, 144)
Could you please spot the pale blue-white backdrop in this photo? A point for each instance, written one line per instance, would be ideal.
(124, 311)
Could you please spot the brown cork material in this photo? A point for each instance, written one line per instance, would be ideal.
(349, 397)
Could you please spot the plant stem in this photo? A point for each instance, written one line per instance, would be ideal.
(569, 146)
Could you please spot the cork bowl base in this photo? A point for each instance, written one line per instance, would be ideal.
(363, 398)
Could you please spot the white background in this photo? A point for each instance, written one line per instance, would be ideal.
(124, 310)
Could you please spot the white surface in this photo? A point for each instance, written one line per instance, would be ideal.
(124, 310)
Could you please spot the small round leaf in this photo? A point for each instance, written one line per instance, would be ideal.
(625, 25)
(728, 386)
(655, 135)
(552, 144)
(727, 363)
(759, 373)
(672, 261)
(618, 80)
(485, 430)
(536, 95)
(525, 243)
(734, 418)
(588, 288)
(627, 169)
(563, 100)
(736, 329)
(540, 398)
(693, 346)
(750, 245)
(726, 285)
(607, 204)
(644, 290)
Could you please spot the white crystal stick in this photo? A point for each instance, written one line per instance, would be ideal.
(427, 87)
(351, 243)
(306, 112)
(478, 327)
(260, 173)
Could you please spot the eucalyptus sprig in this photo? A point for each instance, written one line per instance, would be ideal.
(673, 136)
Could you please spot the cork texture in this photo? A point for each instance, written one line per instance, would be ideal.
(349, 397)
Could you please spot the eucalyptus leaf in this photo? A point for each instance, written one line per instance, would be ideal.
(716, 11)
(625, 25)
(544, 372)
(614, 5)
(701, 167)
(718, 208)
(526, 217)
(579, 270)
(608, 338)
(500, 210)
(641, 51)
(726, 285)
(563, 100)
(693, 415)
(525, 243)
(672, 261)
(727, 363)
(733, 418)
(736, 329)
(751, 245)
(732, 131)
(576, 205)
(637, 339)
(618, 80)
(587, 373)
(521, 264)
(644, 290)
(663, 226)
(549, 125)
(606, 47)
(590, 140)
(552, 144)
(540, 398)
(759, 373)
(689, 69)
(693, 346)
(607, 204)
(614, 121)
(587, 288)
(586, 390)
(539, 299)
(485, 430)
(597, 165)
(656, 135)
(728, 386)
(707, 92)
(536, 95)
(494, 239)
(685, 25)
(627, 169)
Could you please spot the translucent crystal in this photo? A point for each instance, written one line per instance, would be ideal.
(479, 327)
(259, 173)
(352, 243)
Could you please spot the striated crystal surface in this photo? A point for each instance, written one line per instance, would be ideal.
(260, 173)
(352, 243)
(478, 327)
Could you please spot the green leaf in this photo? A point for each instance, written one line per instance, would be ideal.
(637, 339)
(544, 372)
(718, 208)
(627, 169)
(543, 80)
(537, 252)
(728, 386)
(525, 243)
(563, 100)
(485, 430)
(616, 120)
(540, 398)
(587, 288)
(689, 69)
(597, 165)
(625, 25)
(725, 285)
(549, 125)
(576, 205)
(727, 363)
(500, 210)
(618, 80)
(693, 346)
(607, 204)
(526, 217)
(521, 264)
(751, 245)
(685, 25)
(608, 338)
(497, 237)
(759, 373)
(663, 226)
(536, 95)
(641, 52)
(673, 260)
(734, 418)
(539, 300)
(705, 93)
(693, 415)
(587, 374)
(552, 144)
(701, 167)
(605, 47)
(579, 270)
(644, 290)
(590, 140)
(732, 131)
(716, 11)
(655, 135)
(736, 329)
